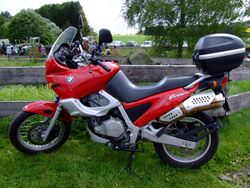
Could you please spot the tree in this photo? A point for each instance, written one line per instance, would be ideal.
(65, 15)
(174, 22)
(6, 15)
(28, 23)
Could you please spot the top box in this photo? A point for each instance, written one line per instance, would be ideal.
(218, 53)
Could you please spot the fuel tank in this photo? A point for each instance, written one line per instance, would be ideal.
(77, 83)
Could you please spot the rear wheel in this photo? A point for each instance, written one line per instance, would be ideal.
(27, 129)
(185, 157)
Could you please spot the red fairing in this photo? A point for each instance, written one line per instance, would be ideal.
(160, 104)
(46, 108)
(85, 80)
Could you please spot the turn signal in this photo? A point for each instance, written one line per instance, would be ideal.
(50, 85)
(215, 84)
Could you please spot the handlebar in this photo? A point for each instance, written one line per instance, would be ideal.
(93, 59)
(96, 61)
(106, 68)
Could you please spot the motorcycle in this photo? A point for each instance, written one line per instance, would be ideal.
(120, 114)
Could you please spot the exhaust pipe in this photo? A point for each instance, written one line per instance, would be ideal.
(198, 102)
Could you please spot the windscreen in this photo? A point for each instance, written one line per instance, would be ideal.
(66, 37)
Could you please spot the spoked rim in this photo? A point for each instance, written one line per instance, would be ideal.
(30, 133)
(180, 154)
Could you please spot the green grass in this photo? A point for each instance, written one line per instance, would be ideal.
(83, 163)
(24, 93)
(237, 87)
(15, 63)
(125, 38)
(39, 92)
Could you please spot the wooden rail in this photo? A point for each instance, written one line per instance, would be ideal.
(235, 102)
(137, 73)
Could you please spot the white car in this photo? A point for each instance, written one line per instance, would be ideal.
(147, 44)
(117, 43)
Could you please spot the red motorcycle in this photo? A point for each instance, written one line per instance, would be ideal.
(121, 114)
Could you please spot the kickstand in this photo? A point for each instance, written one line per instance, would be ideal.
(129, 165)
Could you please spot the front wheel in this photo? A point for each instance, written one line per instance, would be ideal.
(27, 129)
(190, 158)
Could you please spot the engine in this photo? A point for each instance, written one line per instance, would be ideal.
(111, 125)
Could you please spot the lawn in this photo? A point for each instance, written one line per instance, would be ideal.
(14, 63)
(83, 163)
(137, 38)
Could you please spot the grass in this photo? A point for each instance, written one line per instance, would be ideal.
(83, 163)
(17, 63)
(125, 38)
(24, 93)
(40, 92)
(237, 87)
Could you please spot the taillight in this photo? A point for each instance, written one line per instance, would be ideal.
(224, 82)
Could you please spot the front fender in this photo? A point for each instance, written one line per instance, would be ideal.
(47, 108)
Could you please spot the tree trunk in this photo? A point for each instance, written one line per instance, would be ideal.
(182, 26)
(180, 49)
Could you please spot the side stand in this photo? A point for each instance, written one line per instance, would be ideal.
(129, 165)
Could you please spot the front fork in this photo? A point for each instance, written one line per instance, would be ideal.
(53, 121)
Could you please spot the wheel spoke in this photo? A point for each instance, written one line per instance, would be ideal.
(30, 131)
(185, 155)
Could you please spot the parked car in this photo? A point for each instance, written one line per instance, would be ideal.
(247, 57)
(117, 43)
(131, 43)
(147, 44)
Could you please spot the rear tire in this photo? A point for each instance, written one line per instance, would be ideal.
(26, 129)
(174, 156)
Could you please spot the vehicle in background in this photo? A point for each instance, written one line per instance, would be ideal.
(247, 57)
(131, 43)
(117, 43)
(147, 44)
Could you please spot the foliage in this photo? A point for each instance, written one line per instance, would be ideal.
(175, 22)
(65, 14)
(28, 23)
(4, 21)
(34, 54)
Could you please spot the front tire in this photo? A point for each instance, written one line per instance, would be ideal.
(188, 158)
(26, 132)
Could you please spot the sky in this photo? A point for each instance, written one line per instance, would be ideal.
(99, 13)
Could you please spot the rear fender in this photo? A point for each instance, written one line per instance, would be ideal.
(47, 108)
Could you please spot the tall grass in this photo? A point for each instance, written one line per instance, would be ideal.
(25, 93)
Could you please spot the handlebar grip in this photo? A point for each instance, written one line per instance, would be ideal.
(106, 68)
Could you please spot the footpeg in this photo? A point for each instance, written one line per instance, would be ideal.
(126, 147)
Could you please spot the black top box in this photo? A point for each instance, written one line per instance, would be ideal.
(218, 53)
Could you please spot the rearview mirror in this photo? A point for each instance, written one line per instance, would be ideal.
(105, 36)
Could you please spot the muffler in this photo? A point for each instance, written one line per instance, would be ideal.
(195, 103)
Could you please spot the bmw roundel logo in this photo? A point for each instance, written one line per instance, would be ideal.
(70, 79)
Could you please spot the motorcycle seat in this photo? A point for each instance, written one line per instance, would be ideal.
(124, 90)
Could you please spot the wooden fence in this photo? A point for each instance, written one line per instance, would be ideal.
(136, 73)
(120, 59)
